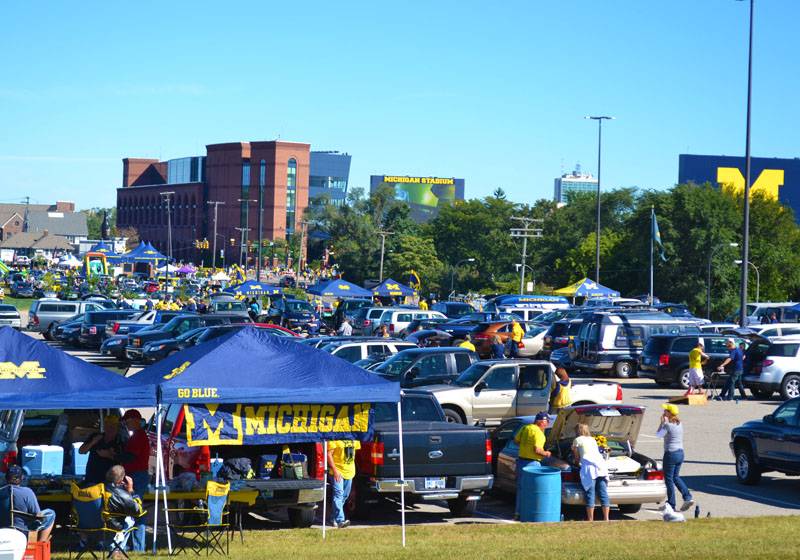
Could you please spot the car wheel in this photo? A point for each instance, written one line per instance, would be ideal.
(453, 416)
(762, 393)
(301, 518)
(624, 369)
(790, 388)
(747, 472)
(630, 509)
(461, 507)
(48, 334)
(683, 379)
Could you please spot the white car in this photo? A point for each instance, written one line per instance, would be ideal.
(774, 367)
(9, 316)
(533, 341)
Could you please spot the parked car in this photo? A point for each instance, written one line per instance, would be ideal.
(398, 319)
(94, 323)
(460, 328)
(287, 282)
(294, 314)
(453, 309)
(634, 479)
(348, 308)
(769, 444)
(358, 349)
(484, 333)
(69, 331)
(665, 358)
(557, 335)
(366, 319)
(48, 311)
(773, 366)
(229, 306)
(177, 326)
(422, 325)
(784, 311)
(776, 329)
(9, 316)
(22, 290)
(426, 366)
(532, 341)
(715, 328)
(143, 320)
(443, 461)
(492, 390)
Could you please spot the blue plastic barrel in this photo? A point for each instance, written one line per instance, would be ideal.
(541, 494)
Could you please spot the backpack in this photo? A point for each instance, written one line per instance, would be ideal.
(238, 468)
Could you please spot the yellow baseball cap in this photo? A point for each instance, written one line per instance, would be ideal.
(671, 408)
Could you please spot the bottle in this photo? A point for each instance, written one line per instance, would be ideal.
(696, 512)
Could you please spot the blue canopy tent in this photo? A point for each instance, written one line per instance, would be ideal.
(269, 370)
(35, 375)
(339, 288)
(393, 288)
(107, 250)
(586, 288)
(144, 252)
(253, 288)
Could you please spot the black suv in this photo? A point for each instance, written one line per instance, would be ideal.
(93, 327)
(426, 366)
(665, 357)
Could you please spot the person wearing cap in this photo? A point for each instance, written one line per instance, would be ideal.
(530, 439)
(467, 343)
(671, 430)
(696, 360)
(38, 523)
(736, 360)
(517, 333)
(138, 451)
(104, 449)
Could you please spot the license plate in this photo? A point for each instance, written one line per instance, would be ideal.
(5, 322)
(434, 483)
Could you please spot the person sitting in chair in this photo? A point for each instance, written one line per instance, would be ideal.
(122, 503)
(36, 523)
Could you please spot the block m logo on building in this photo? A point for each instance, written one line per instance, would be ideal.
(768, 182)
(25, 370)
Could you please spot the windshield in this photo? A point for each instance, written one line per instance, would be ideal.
(471, 375)
(456, 310)
(419, 408)
(229, 306)
(189, 334)
(396, 365)
(299, 307)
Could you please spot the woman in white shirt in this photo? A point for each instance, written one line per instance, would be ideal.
(594, 472)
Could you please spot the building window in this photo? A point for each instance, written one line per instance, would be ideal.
(291, 194)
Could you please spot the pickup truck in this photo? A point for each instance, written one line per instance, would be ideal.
(300, 497)
(146, 319)
(490, 391)
(443, 461)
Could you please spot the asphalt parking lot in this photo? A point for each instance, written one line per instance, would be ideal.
(708, 470)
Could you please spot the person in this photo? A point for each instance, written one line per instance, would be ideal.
(736, 360)
(191, 305)
(202, 306)
(594, 471)
(423, 304)
(346, 329)
(342, 461)
(38, 523)
(498, 349)
(696, 360)
(138, 451)
(2, 294)
(467, 343)
(671, 430)
(148, 305)
(560, 396)
(516, 338)
(122, 500)
(103, 448)
(384, 331)
(530, 439)
(773, 318)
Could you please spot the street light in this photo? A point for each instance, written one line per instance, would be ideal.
(599, 119)
(708, 281)
(758, 278)
(452, 272)
(746, 226)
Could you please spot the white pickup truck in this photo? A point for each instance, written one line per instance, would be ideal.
(490, 391)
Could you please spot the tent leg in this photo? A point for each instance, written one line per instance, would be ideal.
(164, 496)
(158, 477)
(325, 489)
(402, 473)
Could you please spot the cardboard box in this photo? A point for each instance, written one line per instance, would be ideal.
(691, 400)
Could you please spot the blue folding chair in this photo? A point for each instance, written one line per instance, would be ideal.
(207, 527)
(91, 523)
(7, 511)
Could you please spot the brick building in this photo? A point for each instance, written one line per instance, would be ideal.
(233, 174)
(59, 219)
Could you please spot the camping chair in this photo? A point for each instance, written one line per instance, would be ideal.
(7, 511)
(207, 526)
(91, 522)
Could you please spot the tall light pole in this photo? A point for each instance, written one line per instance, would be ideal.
(452, 272)
(599, 119)
(708, 280)
(216, 204)
(168, 198)
(383, 235)
(758, 278)
(746, 226)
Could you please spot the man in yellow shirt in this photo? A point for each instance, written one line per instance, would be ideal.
(468, 344)
(423, 304)
(516, 338)
(696, 360)
(342, 461)
(531, 440)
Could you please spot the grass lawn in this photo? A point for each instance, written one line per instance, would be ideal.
(22, 304)
(703, 539)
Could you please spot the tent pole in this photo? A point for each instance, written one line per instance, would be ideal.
(402, 473)
(158, 476)
(325, 488)
(164, 495)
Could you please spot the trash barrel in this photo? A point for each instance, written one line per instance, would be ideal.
(541, 494)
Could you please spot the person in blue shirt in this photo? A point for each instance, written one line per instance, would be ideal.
(38, 524)
(498, 349)
(736, 360)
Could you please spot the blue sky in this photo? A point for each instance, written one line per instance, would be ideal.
(491, 92)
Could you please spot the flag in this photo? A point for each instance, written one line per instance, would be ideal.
(413, 280)
(657, 235)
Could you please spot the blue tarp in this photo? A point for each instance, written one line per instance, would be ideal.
(35, 375)
(393, 288)
(339, 288)
(253, 288)
(253, 366)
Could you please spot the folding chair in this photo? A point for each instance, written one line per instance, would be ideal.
(91, 525)
(7, 511)
(714, 385)
(207, 527)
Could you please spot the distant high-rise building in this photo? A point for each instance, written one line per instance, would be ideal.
(327, 177)
(576, 181)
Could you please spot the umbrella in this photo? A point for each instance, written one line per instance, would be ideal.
(339, 288)
(186, 269)
(586, 288)
(220, 277)
(393, 288)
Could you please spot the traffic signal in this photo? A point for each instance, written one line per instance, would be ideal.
(205, 243)
(233, 241)
(197, 244)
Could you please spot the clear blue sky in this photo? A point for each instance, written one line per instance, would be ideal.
(491, 92)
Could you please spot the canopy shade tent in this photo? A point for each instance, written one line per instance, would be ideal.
(34, 375)
(393, 288)
(253, 288)
(106, 249)
(220, 277)
(168, 268)
(339, 288)
(586, 288)
(144, 252)
(186, 269)
(69, 262)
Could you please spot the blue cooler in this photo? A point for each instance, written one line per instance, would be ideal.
(541, 494)
(79, 460)
(40, 460)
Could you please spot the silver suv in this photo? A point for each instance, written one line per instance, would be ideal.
(774, 365)
(46, 313)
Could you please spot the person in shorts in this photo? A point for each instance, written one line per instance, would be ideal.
(38, 523)
(697, 357)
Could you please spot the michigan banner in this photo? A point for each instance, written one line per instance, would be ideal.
(254, 424)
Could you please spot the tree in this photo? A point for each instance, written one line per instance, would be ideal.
(94, 220)
(417, 253)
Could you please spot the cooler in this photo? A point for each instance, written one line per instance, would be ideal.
(40, 460)
(37, 551)
(79, 460)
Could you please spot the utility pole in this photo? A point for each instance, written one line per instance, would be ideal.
(383, 235)
(245, 238)
(525, 232)
(168, 197)
(302, 240)
(243, 254)
(25, 219)
(599, 120)
(216, 204)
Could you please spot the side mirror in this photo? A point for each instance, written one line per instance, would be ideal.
(480, 386)
(412, 373)
(768, 419)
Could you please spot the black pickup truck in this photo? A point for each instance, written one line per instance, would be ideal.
(443, 461)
